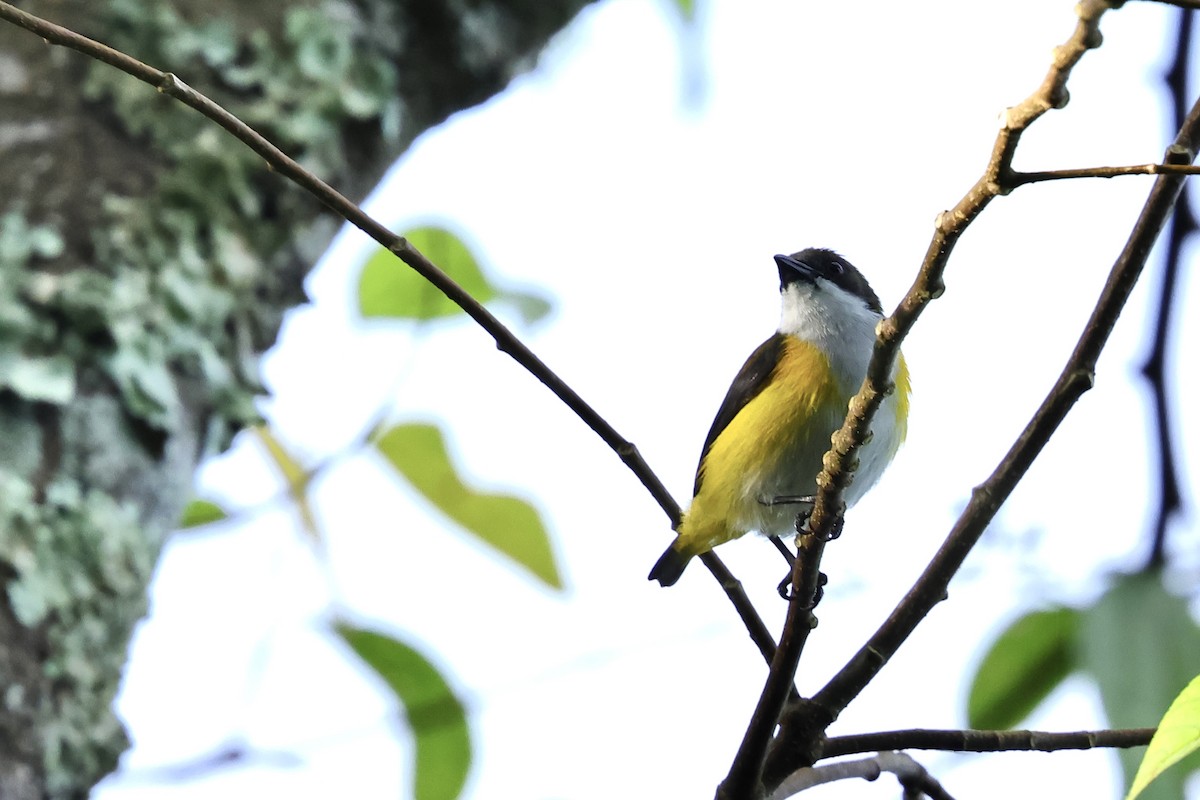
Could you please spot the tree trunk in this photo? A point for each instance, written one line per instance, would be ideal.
(146, 260)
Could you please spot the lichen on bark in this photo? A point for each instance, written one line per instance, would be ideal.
(146, 262)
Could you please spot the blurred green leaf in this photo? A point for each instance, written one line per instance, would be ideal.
(296, 477)
(1142, 647)
(201, 512)
(686, 8)
(1177, 736)
(531, 307)
(434, 713)
(509, 524)
(389, 288)
(1029, 659)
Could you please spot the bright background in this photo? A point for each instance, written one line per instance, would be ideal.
(642, 177)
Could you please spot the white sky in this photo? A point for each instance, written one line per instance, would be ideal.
(647, 201)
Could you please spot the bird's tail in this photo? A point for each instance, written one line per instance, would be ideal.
(669, 566)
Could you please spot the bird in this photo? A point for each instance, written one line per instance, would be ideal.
(764, 450)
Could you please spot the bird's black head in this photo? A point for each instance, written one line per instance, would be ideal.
(816, 263)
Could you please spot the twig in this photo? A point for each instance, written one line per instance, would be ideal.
(796, 731)
(913, 777)
(1077, 377)
(928, 286)
(1179, 3)
(746, 770)
(983, 741)
(233, 755)
(758, 630)
(1016, 179)
(506, 341)
(1183, 225)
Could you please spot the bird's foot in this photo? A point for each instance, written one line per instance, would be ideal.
(785, 588)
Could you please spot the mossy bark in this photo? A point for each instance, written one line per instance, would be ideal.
(146, 261)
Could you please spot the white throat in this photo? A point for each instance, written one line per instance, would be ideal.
(838, 323)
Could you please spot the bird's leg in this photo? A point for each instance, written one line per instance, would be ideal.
(783, 549)
(802, 517)
(789, 500)
(785, 586)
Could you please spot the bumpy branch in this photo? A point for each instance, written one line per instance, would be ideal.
(997, 179)
(984, 741)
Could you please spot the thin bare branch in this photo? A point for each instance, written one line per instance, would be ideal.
(966, 741)
(1183, 225)
(233, 755)
(279, 161)
(506, 341)
(912, 776)
(1016, 179)
(758, 630)
(746, 770)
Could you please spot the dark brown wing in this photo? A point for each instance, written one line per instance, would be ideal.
(749, 382)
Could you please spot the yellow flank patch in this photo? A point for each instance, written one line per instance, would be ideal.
(903, 390)
(782, 432)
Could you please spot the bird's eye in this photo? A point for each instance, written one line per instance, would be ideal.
(836, 267)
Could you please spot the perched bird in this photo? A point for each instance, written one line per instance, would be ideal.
(763, 452)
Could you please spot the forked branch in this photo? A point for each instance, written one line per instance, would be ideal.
(804, 726)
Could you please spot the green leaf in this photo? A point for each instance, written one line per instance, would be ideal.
(434, 713)
(686, 8)
(1142, 646)
(1032, 657)
(296, 477)
(509, 524)
(1177, 736)
(389, 288)
(201, 512)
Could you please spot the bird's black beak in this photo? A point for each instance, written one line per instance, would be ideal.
(792, 269)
